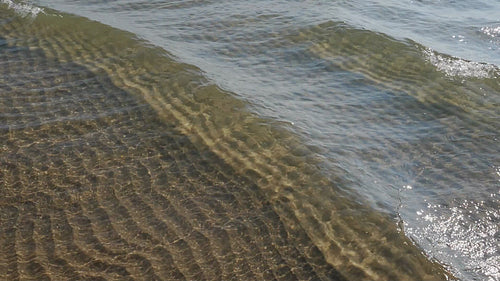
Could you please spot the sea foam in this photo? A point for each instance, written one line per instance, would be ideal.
(23, 9)
(457, 67)
(491, 31)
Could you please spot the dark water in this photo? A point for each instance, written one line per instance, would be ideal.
(340, 141)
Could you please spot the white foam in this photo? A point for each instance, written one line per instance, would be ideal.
(491, 31)
(23, 9)
(456, 67)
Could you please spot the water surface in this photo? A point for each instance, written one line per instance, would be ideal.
(395, 104)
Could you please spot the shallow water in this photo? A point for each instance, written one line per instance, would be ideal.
(393, 105)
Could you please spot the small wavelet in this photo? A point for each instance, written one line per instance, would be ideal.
(457, 67)
(23, 9)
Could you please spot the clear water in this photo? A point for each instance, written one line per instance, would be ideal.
(400, 99)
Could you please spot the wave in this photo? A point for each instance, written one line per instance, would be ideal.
(178, 180)
(407, 67)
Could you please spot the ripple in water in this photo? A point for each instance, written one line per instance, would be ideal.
(379, 105)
